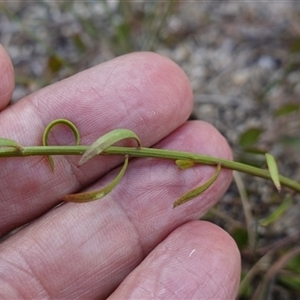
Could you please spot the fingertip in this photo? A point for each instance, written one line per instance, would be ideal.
(218, 258)
(215, 238)
(198, 260)
(165, 76)
(6, 78)
(161, 67)
(217, 251)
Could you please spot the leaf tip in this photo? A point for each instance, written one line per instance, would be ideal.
(82, 161)
(199, 190)
(176, 203)
(98, 194)
(273, 169)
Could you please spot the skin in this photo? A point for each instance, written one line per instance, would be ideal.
(131, 244)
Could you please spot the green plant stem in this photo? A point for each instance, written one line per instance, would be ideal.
(148, 152)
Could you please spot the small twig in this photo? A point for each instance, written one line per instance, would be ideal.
(272, 272)
(226, 217)
(283, 242)
(247, 210)
(10, 148)
(261, 265)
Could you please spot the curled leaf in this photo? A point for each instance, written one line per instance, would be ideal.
(199, 190)
(95, 195)
(48, 129)
(184, 163)
(10, 143)
(106, 141)
(272, 166)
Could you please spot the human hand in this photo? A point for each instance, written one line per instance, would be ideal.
(131, 244)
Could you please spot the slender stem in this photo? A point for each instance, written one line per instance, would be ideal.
(148, 152)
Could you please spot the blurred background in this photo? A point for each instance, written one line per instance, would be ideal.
(243, 61)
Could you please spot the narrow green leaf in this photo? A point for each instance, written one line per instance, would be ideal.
(290, 141)
(272, 165)
(55, 63)
(184, 163)
(294, 264)
(78, 42)
(250, 137)
(291, 281)
(94, 195)
(277, 213)
(9, 143)
(106, 141)
(199, 190)
(240, 236)
(295, 45)
(287, 109)
(48, 129)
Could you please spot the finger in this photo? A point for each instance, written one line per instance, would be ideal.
(87, 249)
(6, 78)
(143, 92)
(197, 261)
